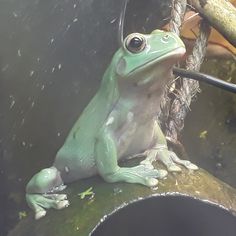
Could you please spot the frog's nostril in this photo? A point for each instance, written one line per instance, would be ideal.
(165, 38)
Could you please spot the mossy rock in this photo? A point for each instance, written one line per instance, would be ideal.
(83, 215)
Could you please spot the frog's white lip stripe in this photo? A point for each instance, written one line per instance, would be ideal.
(180, 51)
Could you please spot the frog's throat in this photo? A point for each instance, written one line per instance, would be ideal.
(177, 53)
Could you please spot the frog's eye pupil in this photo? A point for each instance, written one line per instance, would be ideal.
(135, 43)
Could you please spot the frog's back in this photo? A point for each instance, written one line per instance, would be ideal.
(96, 112)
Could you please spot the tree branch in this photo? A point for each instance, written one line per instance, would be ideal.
(221, 14)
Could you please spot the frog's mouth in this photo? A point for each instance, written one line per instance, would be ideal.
(174, 54)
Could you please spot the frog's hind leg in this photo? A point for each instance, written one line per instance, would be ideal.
(41, 192)
(106, 161)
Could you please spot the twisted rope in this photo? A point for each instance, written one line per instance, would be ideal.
(175, 108)
(177, 15)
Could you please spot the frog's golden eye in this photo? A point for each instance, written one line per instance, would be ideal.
(135, 43)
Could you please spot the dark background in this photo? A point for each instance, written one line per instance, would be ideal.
(52, 57)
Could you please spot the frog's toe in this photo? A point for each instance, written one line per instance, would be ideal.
(55, 196)
(187, 164)
(147, 163)
(151, 182)
(162, 174)
(57, 201)
(174, 168)
(190, 165)
(148, 171)
(40, 214)
(62, 204)
(40, 202)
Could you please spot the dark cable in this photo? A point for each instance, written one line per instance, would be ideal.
(121, 23)
(178, 71)
(205, 78)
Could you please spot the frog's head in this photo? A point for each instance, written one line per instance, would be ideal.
(143, 57)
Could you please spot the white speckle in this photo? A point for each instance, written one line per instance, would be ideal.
(32, 104)
(38, 59)
(5, 67)
(117, 191)
(112, 21)
(31, 73)
(176, 182)
(110, 120)
(68, 27)
(12, 101)
(52, 40)
(42, 87)
(66, 169)
(19, 53)
(197, 192)
(59, 66)
(15, 14)
(23, 121)
(12, 104)
(75, 5)
(53, 69)
(130, 116)
(75, 20)
(58, 134)
(23, 143)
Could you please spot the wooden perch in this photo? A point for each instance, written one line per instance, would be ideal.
(221, 14)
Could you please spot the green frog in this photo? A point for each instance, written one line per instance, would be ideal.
(118, 123)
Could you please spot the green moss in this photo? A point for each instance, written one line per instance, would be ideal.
(84, 214)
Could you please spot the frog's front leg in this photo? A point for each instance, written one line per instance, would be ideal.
(40, 192)
(106, 162)
(160, 152)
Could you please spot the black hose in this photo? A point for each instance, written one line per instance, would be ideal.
(121, 23)
(205, 78)
(178, 71)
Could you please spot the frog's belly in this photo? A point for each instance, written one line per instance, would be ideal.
(135, 141)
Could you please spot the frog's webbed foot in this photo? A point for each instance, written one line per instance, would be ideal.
(171, 161)
(40, 202)
(187, 164)
(161, 153)
(145, 175)
(168, 158)
(41, 192)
